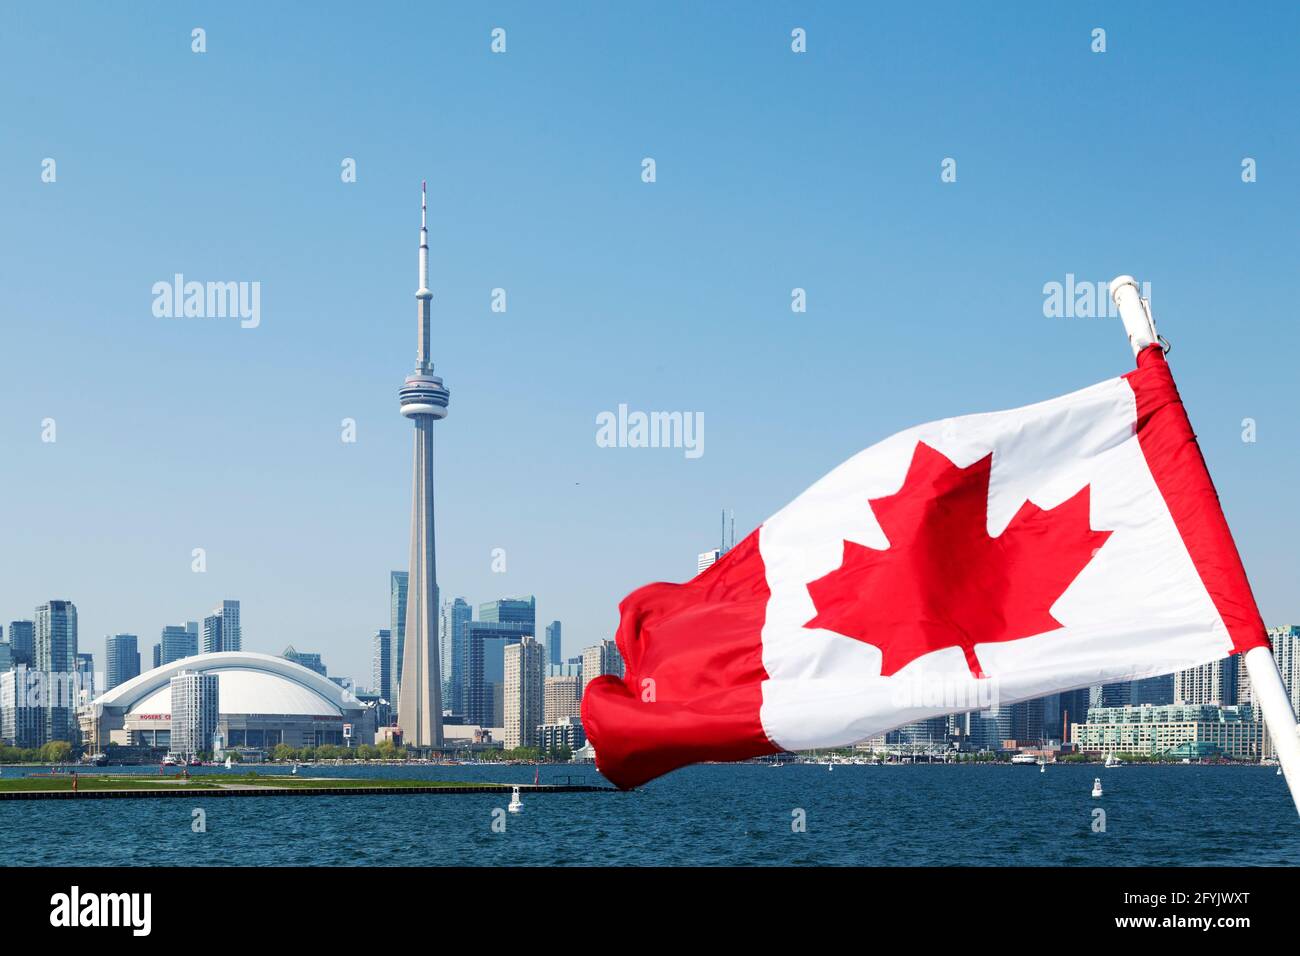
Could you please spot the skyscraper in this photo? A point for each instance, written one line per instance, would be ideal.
(602, 658)
(561, 698)
(122, 659)
(397, 581)
(307, 659)
(22, 638)
(178, 641)
(525, 667)
(22, 719)
(553, 643)
(1212, 683)
(518, 610)
(483, 662)
(381, 664)
(221, 630)
(195, 704)
(707, 559)
(86, 687)
(456, 615)
(56, 657)
(424, 400)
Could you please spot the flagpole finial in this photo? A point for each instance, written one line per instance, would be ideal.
(1135, 312)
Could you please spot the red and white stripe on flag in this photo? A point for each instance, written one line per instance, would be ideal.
(1070, 543)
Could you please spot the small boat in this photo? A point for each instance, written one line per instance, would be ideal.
(1096, 787)
(170, 761)
(1111, 761)
(516, 805)
(295, 767)
(1042, 767)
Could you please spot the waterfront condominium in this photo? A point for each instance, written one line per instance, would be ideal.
(121, 659)
(397, 581)
(22, 719)
(525, 667)
(602, 658)
(563, 698)
(221, 630)
(195, 707)
(56, 658)
(1212, 683)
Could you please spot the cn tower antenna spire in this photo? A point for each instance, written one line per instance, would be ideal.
(423, 294)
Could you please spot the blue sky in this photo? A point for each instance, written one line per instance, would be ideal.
(775, 170)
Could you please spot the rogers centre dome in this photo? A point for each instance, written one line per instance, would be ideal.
(261, 701)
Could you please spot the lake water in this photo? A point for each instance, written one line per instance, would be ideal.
(706, 815)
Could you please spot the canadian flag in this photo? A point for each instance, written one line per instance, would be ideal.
(1010, 555)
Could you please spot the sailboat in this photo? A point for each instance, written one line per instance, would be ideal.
(228, 764)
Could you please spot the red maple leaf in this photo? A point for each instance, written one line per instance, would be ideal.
(943, 582)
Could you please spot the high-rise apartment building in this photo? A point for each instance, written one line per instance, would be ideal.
(22, 716)
(55, 629)
(525, 665)
(195, 707)
(563, 698)
(121, 659)
(307, 659)
(177, 642)
(1212, 683)
(221, 629)
(602, 658)
(553, 643)
(22, 639)
(397, 584)
(381, 664)
(456, 616)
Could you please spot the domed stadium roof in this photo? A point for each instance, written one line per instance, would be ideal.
(248, 684)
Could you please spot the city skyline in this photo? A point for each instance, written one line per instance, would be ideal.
(612, 297)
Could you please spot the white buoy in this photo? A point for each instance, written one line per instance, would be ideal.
(516, 805)
(1042, 768)
(1096, 787)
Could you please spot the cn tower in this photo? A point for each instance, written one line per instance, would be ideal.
(424, 399)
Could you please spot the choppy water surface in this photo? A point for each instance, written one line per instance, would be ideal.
(707, 815)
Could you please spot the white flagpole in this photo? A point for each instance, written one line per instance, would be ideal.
(1268, 692)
